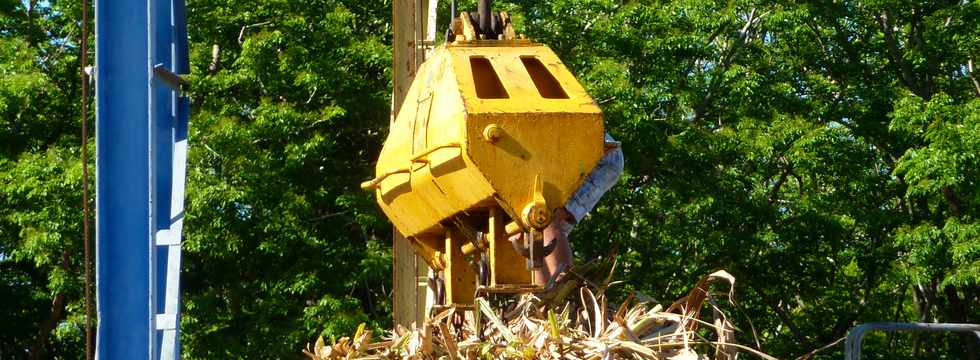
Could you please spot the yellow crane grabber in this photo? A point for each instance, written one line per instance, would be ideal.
(491, 137)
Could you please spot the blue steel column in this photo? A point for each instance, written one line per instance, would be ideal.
(183, 110)
(170, 112)
(141, 138)
(122, 180)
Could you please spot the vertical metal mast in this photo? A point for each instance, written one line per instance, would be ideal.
(141, 152)
(414, 25)
(483, 13)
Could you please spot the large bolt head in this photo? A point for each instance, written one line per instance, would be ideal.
(537, 215)
(492, 133)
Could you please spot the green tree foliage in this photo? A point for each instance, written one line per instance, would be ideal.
(40, 182)
(286, 119)
(826, 153)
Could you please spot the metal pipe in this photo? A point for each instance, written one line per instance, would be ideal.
(483, 9)
(452, 10)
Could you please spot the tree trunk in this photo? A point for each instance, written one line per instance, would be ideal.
(57, 309)
(29, 35)
(922, 305)
(959, 313)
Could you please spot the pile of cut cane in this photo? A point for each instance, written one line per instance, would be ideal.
(570, 320)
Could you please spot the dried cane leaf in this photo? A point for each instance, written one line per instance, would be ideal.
(488, 312)
(318, 347)
(449, 341)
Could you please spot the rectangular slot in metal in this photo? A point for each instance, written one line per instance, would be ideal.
(548, 86)
(485, 79)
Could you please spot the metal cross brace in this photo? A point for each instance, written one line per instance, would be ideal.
(141, 157)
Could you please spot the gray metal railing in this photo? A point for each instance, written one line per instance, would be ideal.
(852, 346)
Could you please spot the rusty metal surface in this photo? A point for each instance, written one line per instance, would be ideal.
(459, 276)
(505, 263)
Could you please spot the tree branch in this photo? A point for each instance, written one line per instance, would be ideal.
(898, 312)
(241, 34)
(30, 22)
(969, 72)
(895, 54)
(774, 193)
(959, 312)
(852, 56)
(783, 317)
(810, 355)
(726, 62)
(916, 41)
(327, 216)
(215, 59)
(54, 316)
(951, 199)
